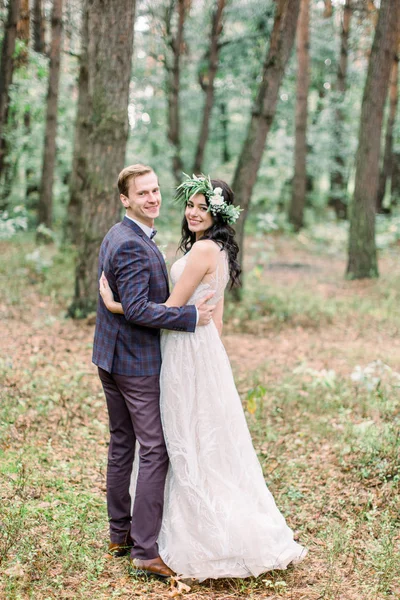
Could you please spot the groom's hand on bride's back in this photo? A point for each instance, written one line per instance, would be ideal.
(205, 310)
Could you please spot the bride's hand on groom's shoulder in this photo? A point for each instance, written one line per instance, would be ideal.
(108, 296)
(105, 291)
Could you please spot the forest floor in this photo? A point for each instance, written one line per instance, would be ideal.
(316, 360)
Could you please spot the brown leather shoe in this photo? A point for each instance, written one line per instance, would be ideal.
(154, 566)
(122, 548)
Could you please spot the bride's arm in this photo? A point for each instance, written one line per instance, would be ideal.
(201, 260)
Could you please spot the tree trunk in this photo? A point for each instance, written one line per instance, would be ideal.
(386, 172)
(6, 72)
(328, 10)
(173, 68)
(23, 32)
(23, 27)
(337, 198)
(38, 27)
(208, 85)
(263, 111)
(45, 206)
(109, 46)
(362, 260)
(299, 186)
(81, 157)
(395, 187)
(226, 156)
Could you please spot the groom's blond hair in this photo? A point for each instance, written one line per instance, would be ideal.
(129, 173)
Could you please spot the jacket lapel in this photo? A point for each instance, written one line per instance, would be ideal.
(129, 223)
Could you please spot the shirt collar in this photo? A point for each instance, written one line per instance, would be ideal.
(147, 230)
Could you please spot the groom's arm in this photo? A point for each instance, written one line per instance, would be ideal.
(131, 266)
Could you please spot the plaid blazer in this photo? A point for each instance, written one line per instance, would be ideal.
(129, 344)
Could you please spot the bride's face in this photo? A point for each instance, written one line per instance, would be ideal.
(197, 216)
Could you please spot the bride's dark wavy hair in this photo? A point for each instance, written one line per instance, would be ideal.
(220, 232)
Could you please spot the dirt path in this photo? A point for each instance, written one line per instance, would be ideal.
(335, 347)
(63, 343)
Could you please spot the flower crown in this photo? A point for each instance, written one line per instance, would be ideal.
(216, 202)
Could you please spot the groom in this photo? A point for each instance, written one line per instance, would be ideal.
(127, 353)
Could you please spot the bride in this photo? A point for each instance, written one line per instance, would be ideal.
(220, 519)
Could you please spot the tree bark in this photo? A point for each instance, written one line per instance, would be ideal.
(386, 172)
(38, 27)
(45, 206)
(173, 69)
(395, 187)
(362, 261)
(23, 34)
(81, 157)
(328, 10)
(263, 111)
(23, 27)
(109, 46)
(338, 180)
(7, 71)
(299, 186)
(226, 156)
(208, 85)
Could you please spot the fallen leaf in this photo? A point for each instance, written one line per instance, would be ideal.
(15, 571)
(177, 587)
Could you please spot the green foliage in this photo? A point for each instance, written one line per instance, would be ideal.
(11, 223)
(265, 306)
(244, 41)
(30, 268)
(25, 134)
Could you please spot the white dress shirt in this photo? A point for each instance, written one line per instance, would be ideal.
(148, 230)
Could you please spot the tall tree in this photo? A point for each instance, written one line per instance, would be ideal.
(175, 46)
(296, 209)
(338, 179)
(362, 261)
(395, 179)
(38, 24)
(224, 120)
(23, 27)
(109, 29)
(328, 10)
(77, 186)
(7, 71)
(263, 110)
(387, 166)
(45, 206)
(207, 83)
(23, 32)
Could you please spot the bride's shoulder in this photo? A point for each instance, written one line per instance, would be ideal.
(205, 247)
(205, 252)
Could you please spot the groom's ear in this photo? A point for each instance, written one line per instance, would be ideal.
(124, 200)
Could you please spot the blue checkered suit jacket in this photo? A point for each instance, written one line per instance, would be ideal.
(129, 344)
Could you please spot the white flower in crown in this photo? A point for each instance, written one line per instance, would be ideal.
(217, 199)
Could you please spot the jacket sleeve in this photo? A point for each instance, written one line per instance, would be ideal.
(132, 274)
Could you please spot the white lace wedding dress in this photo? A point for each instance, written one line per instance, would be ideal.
(220, 520)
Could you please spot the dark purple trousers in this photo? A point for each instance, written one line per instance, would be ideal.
(134, 414)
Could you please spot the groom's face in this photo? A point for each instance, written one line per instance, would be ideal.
(144, 199)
